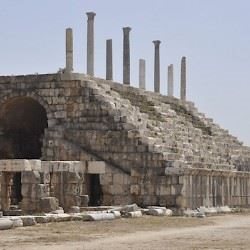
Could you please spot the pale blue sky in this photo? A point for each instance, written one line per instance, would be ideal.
(214, 35)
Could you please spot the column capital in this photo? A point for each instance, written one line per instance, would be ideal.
(91, 15)
(156, 42)
(126, 30)
(69, 29)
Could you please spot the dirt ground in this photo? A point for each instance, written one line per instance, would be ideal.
(147, 233)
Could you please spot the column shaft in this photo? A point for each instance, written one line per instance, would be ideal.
(183, 78)
(126, 55)
(170, 80)
(109, 60)
(69, 50)
(142, 74)
(90, 43)
(157, 66)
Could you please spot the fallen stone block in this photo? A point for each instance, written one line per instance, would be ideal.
(28, 221)
(42, 219)
(76, 218)
(135, 214)
(117, 214)
(17, 222)
(207, 210)
(5, 224)
(156, 212)
(129, 208)
(224, 209)
(169, 212)
(62, 217)
(99, 216)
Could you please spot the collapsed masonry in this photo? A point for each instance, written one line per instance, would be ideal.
(111, 142)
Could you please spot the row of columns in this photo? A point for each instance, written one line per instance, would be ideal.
(126, 60)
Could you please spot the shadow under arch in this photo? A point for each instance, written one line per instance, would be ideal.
(22, 123)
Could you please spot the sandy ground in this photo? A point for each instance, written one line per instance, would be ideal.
(219, 232)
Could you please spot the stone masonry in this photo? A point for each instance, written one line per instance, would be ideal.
(158, 150)
(70, 139)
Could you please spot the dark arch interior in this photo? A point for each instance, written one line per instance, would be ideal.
(22, 124)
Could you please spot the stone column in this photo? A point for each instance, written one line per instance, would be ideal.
(126, 55)
(142, 74)
(157, 66)
(109, 60)
(90, 43)
(183, 78)
(170, 80)
(69, 50)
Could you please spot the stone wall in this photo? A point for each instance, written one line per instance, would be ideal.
(138, 134)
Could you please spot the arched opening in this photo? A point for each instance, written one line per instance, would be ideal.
(22, 124)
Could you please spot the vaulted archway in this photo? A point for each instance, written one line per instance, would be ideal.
(22, 124)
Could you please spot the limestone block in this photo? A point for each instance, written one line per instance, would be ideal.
(84, 200)
(32, 177)
(156, 211)
(28, 221)
(129, 208)
(5, 224)
(99, 216)
(45, 177)
(118, 178)
(17, 221)
(117, 189)
(20, 165)
(135, 214)
(165, 190)
(72, 200)
(117, 214)
(224, 209)
(96, 167)
(29, 205)
(135, 189)
(72, 189)
(42, 190)
(74, 209)
(73, 178)
(49, 204)
(42, 219)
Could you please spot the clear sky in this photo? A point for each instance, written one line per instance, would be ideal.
(214, 35)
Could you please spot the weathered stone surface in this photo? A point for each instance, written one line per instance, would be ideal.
(126, 55)
(90, 43)
(156, 212)
(74, 209)
(142, 74)
(84, 200)
(49, 204)
(28, 221)
(109, 60)
(17, 221)
(135, 214)
(99, 216)
(42, 219)
(19, 165)
(157, 66)
(96, 167)
(137, 134)
(5, 224)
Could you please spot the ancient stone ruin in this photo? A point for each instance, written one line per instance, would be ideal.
(70, 139)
